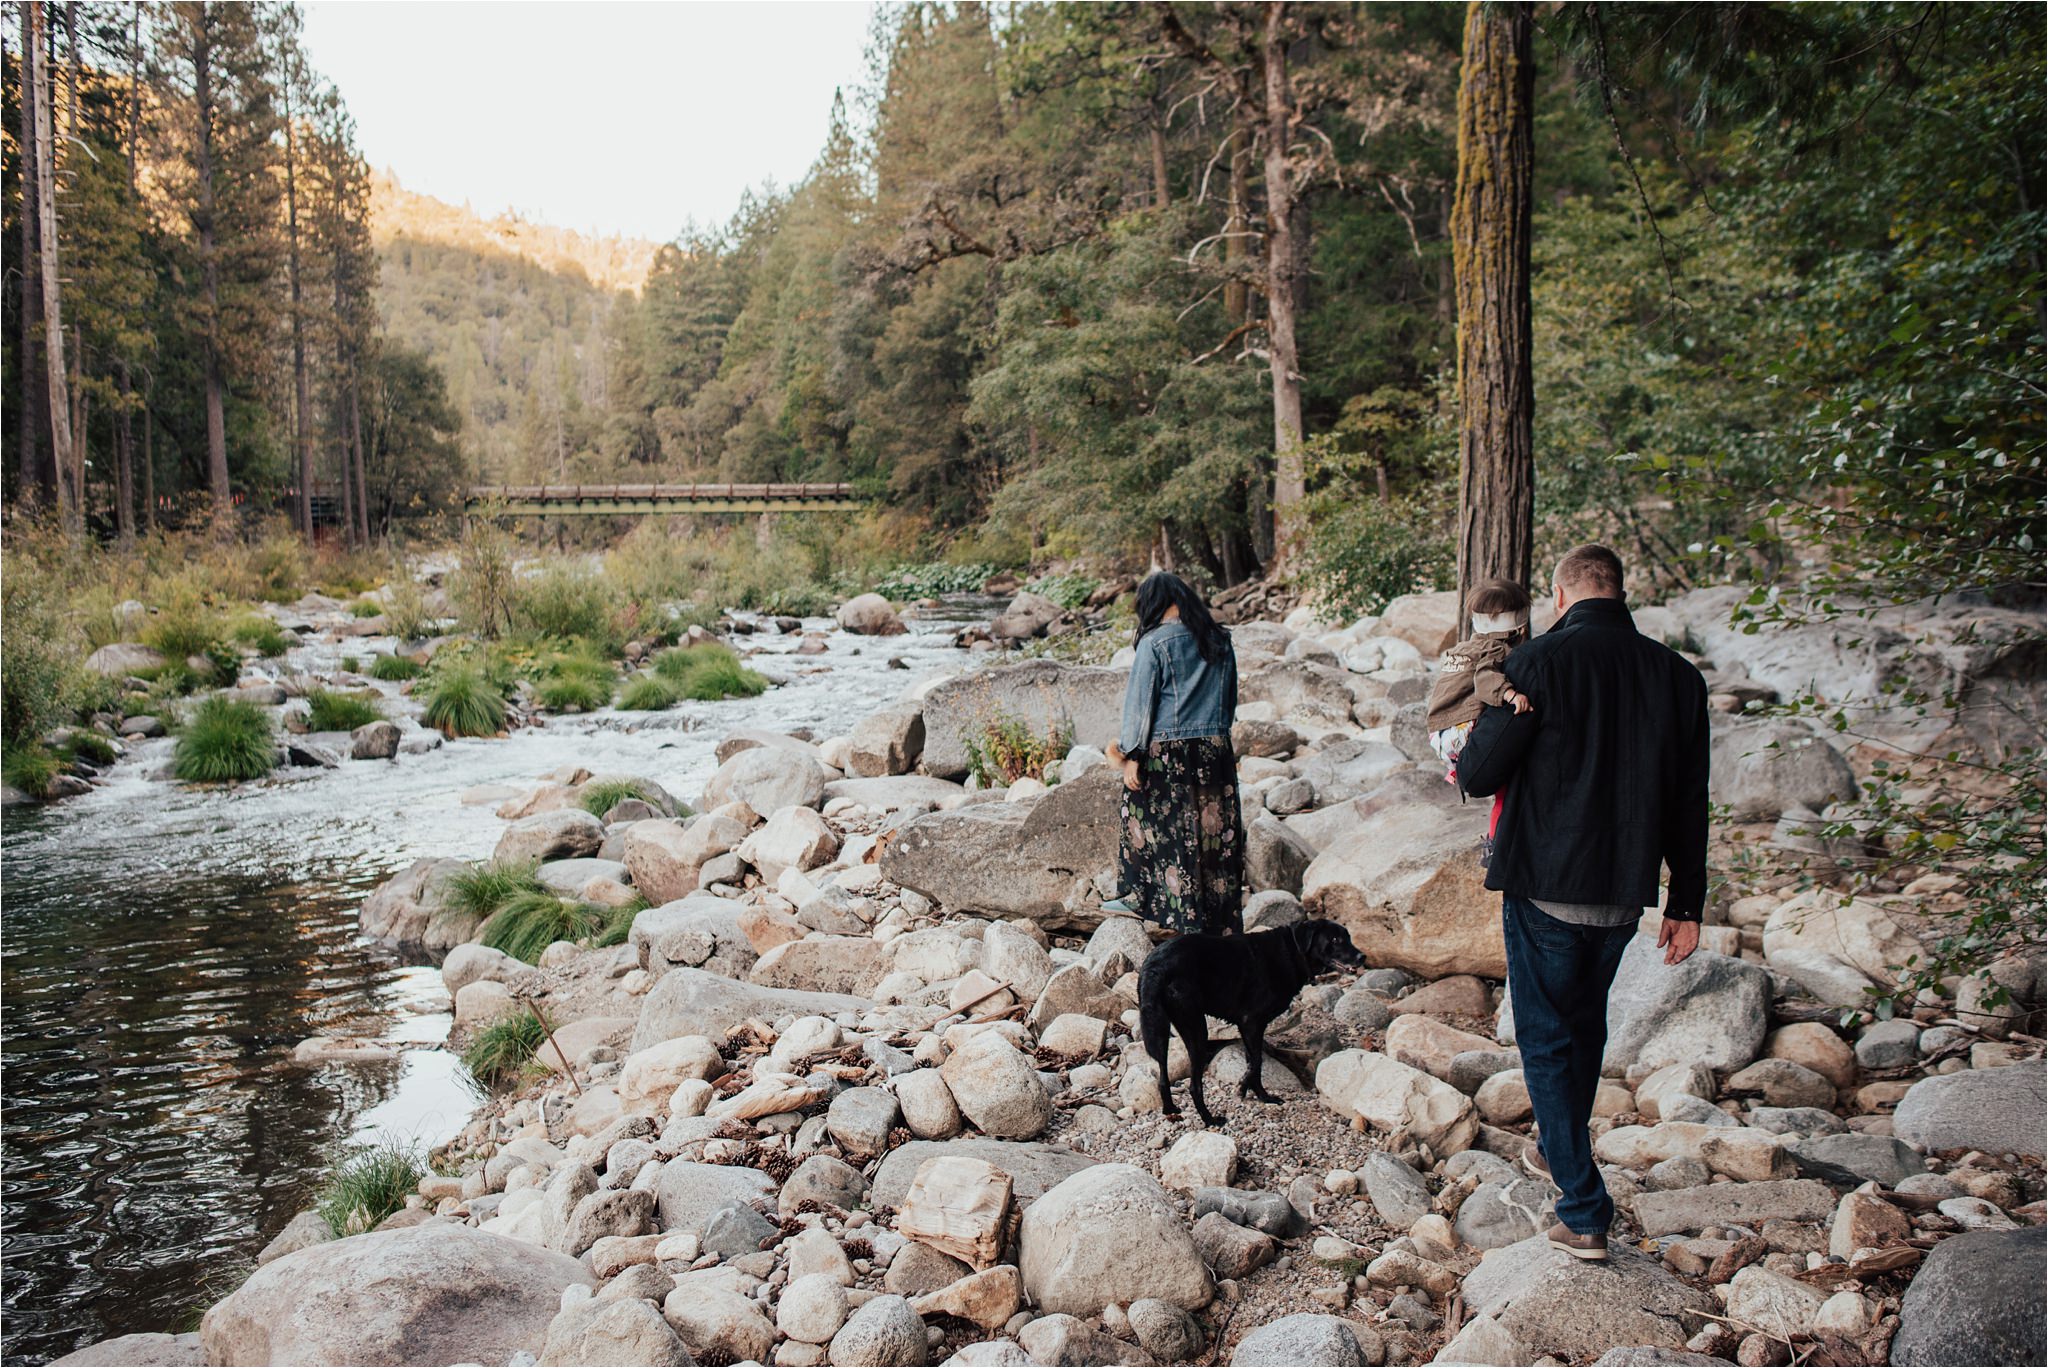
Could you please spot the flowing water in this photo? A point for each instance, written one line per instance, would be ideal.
(166, 947)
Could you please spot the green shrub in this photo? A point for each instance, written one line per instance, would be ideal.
(569, 602)
(366, 608)
(369, 1185)
(571, 693)
(88, 745)
(183, 628)
(461, 701)
(405, 608)
(935, 578)
(801, 600)
(224, 741)
(618, 922)
(708, 672)
(498, 1052)
(482, 889)
(1367, 552)
(599, 798)
(30, 768)
(577, 678)
(352, 664)
(1006, 749)
(530, 922)
(38, 679)
(395, 668)
(482, 584)
(1068, 591)
(649, 693)
(329, 710)
(261, 633)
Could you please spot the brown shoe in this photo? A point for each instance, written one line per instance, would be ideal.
(1592, 1248)
(1532, 1160)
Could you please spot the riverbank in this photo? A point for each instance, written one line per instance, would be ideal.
(860, 1087)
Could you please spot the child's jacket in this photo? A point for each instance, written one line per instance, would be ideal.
(1469, 677)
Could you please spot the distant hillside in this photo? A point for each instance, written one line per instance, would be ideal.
(514, 315)
(610, 263)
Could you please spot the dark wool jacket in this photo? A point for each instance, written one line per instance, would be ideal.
(1607, 778)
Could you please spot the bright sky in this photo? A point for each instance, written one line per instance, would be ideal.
(614, 117)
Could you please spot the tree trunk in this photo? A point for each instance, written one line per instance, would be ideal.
(1490, 247)
(1284, 246)
(209, 257)
(1155, 127)
(81, 430)
(302, 414)
(148, 470)
(124, 460)
(30, 487)
(1236, 296)
(36, 52)
(355, 432)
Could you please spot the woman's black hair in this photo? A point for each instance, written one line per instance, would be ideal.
(1163, 589)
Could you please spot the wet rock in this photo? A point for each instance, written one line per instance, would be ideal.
(1109, 1234)
(374, 741)
(1999, 1110)
(432, 1293)
(1976, 1298)
(560, 835)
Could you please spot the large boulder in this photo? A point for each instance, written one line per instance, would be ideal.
(664, 856)
(1762, 770)
(1407, 884)
(1109, 1234)
(766, 779)
(436, 1292)
(563, 834)
(701, 931)
(146, 1350)
(870, 615)
(1711, 1009)
(886, 743)
(823, 964)
(1427, 621)
(794, 838)
(412, 907)
(1977, 1299)
(1542, 1301)
(693, 1002)
(616, 1330)
(1391, 1096)
(1043, 694)
(889, 792)
(122, 658)
(1351, 768)
(1997, 1110)
(1836, 947)
(1275, 858)
(1027, 616)
(1300, 690)
(1013, 859)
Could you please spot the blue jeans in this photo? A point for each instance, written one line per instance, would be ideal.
(1558, 976)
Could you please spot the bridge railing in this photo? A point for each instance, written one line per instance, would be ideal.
(668, 493)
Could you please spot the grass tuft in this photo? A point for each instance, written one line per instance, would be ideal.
(649, 693)
(707, 673)
(599, 798)
(30, 768)
(366, 608)
(224, 741)
(89, 746)
(259, 632)
(498, 1052)
(186, 627)
(530, 922)
(370, 1185)
(571, 693)
(461, 701)
(395, 668)
(482, 889)
(331, 711)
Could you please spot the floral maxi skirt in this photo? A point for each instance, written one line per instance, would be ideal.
(1181, 858)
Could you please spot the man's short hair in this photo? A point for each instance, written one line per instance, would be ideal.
(1592, 570)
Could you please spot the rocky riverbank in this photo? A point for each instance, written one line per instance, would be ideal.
(860, 1086)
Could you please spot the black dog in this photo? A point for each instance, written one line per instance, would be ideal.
(1246, 980)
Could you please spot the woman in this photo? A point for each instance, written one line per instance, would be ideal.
(1182, 857)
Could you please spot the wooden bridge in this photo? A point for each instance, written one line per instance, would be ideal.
(605, 500)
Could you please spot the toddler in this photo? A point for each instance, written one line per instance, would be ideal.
(1470, 676)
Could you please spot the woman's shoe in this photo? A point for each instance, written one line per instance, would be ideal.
(1120, 905)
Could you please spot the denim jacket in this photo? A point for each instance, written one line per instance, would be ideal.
(1174, 694)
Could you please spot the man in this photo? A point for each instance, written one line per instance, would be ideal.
(1605, 780)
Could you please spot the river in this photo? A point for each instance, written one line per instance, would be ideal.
(165, 947)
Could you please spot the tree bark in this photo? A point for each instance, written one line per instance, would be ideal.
(355, 432)
(80, 429)
(1155, 127)
(124, 460)
(30, 486)
(302, 414)
(1490, 229)
(1283, 270)
(148, 470)
(36, 52)
(1236, 295)
(209, 257)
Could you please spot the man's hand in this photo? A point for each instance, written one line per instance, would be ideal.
(1678, 939)
(1132, 774)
